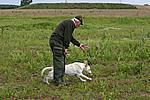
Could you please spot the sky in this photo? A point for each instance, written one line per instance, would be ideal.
(139, 2)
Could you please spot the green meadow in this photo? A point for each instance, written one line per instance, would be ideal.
(119, 52)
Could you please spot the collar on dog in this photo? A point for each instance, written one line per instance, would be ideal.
(79, 66)
(85, 65)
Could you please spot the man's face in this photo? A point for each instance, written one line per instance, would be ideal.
(77, 24)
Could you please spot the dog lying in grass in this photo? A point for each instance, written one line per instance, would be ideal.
(73, 69)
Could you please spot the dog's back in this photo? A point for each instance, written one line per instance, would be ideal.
(74, 68)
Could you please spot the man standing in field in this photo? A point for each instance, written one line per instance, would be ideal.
(59, 43)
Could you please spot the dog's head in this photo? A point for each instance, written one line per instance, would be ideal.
(87, 67)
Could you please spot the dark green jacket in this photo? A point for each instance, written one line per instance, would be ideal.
(63, 34)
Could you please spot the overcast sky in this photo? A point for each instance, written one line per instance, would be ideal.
(17, 2)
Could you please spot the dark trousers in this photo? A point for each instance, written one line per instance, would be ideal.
(58, 63)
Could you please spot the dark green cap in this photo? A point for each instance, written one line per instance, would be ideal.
(80, 19)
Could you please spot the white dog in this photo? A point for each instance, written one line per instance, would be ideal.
(74, 69)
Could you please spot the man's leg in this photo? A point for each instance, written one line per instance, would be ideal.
(58, 63)
(63, 71)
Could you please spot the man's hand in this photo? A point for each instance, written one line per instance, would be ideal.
(83, 47)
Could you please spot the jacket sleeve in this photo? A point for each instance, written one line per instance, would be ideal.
(75, 42)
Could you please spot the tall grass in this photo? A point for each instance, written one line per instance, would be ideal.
(119, 52)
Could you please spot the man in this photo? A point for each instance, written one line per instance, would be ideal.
(59, 43)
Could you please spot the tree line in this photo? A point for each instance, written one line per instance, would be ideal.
(68, 5)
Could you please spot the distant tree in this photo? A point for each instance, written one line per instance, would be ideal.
(25, 2)
(146, 4)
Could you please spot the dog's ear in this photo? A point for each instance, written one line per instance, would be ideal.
(85, 62)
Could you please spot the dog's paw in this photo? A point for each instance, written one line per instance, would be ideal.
(83, 80)
(47, 83)
(45, 80)
(90, 79)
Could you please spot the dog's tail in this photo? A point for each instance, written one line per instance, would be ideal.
(46, 68)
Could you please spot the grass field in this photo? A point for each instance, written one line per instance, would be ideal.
(119, 50)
